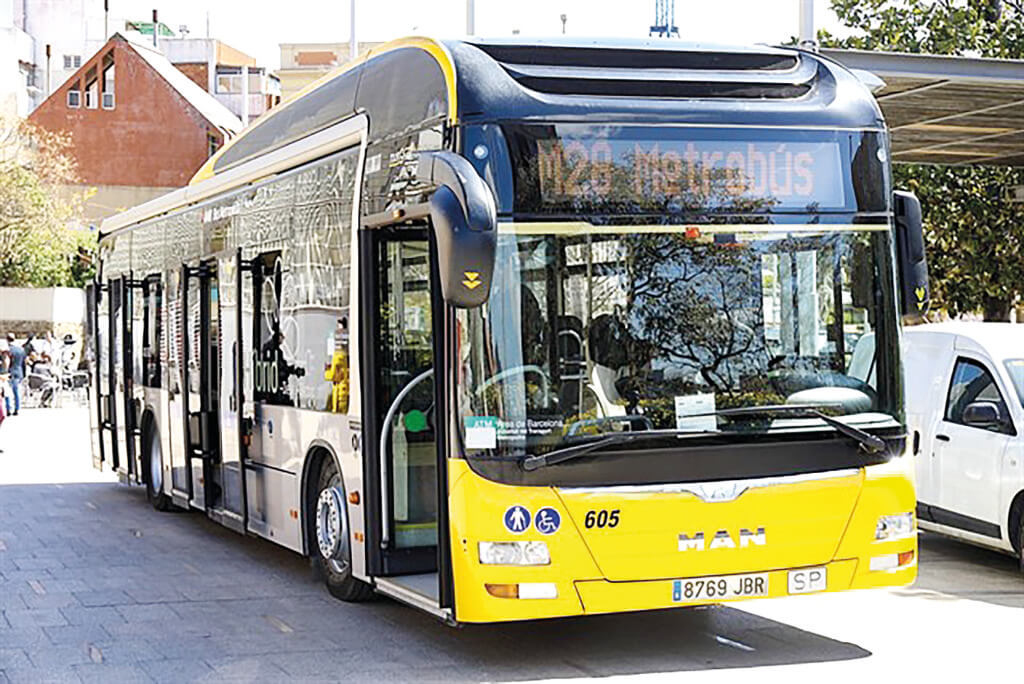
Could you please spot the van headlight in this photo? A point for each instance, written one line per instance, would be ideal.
(514, 553)
(894, 526)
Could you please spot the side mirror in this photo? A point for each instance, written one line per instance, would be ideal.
(983, 414)
(913, 265)
(465, 225)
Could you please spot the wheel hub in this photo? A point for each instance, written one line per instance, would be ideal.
(330, 524)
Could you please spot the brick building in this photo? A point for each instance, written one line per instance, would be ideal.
(139, 126)
(230, 75)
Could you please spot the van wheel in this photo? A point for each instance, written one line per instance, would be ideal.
(1020, 542)
(154, 470)
(333, 551)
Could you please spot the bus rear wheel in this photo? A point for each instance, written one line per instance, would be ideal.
(331, 536)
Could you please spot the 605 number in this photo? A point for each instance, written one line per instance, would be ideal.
(601, 518)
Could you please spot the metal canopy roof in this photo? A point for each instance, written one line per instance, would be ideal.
(947, 110)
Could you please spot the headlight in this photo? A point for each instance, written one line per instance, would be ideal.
(894, 526)
(514, 553)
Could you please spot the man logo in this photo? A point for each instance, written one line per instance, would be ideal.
(723, 540)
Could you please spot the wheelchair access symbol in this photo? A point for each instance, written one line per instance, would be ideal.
(517, 519)
(547, 521)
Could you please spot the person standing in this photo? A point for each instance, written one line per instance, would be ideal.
(5, 362)
(16, 371)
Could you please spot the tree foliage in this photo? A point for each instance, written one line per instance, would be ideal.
(41, 244)
(974, 234)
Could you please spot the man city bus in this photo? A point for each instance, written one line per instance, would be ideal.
(509, 330)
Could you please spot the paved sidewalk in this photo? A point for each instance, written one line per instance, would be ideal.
(97, 586)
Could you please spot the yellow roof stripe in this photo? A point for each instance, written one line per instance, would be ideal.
(433, 47)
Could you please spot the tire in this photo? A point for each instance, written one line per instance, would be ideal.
(153, 463)
(336, 568)
(1020, 542)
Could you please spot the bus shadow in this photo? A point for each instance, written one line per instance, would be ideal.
(651, 642)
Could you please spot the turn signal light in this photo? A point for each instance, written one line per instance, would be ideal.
(906, 558)
(503, 590)
(525, 590)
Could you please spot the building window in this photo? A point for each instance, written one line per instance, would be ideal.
(72, 61)
(229, 79)
(92, 89)
(75, 95)
(108, 80)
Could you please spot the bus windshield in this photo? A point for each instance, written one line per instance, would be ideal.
(646, 279)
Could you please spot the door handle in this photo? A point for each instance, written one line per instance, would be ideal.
(944, 438)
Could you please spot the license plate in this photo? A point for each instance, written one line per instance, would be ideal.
(721, 587)
(807, 580)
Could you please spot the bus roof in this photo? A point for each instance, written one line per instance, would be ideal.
(550, 79)
(402, 84)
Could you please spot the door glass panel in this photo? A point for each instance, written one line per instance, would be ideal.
(971, 382)
(406, 363)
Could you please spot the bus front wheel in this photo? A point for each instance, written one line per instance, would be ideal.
(153, 469)
(331, 536)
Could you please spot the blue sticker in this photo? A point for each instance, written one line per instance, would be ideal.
(517, 519)
(547, 521)
(677, 591)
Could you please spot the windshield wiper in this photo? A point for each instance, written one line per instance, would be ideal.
(569, 453)
(870, 443)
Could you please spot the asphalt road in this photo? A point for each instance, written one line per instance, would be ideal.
(97, 586)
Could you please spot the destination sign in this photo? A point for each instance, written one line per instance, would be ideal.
(710, 173)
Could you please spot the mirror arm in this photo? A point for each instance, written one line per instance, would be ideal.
(448, 169)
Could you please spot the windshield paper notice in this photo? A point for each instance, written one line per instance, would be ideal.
(689, 410)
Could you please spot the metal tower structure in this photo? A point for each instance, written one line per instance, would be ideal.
(664, 25)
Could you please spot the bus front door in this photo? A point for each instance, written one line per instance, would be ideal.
(402, 444)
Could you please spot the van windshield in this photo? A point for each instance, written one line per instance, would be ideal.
(1015, 367)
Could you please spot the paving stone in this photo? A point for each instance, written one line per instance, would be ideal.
(34, 675)
(77, 634)
(48, 600)
(177, 670)
(149, 613)
(111, 597)
(13, 658)
(52, 658)
(35, 617)
(103, 673)
(251, 668)
(99, 615)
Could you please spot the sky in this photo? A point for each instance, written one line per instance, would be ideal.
(258, 26)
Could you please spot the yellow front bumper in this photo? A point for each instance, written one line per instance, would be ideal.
(602, 596)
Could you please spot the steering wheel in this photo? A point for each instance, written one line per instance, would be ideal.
(519, 370)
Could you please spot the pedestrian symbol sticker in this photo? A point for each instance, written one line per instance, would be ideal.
(517, 519)
(547, 521)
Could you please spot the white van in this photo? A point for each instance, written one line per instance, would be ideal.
(965, 421)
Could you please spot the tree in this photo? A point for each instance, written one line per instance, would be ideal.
(40, 242)
(974, 234)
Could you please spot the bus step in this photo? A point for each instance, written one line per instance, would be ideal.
(227, 518)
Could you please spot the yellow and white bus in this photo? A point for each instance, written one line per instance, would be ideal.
(511, 330)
